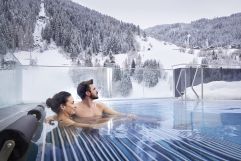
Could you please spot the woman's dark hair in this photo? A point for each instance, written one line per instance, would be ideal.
(57, 100)
(83, 87)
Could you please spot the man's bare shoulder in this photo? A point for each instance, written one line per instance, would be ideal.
(78, 104)
(104, 108)
(100, 105)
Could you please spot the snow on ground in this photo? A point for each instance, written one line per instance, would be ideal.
(54, 56)
(167, 54)
(217, 90)
(41, 22)
(100, 58)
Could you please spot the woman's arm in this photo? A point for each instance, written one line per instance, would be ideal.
(69, 122)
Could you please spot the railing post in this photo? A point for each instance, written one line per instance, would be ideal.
(185, 83)
(201, 82)
(193, 81)
(109, 81)
(143, 83)
(178, 80)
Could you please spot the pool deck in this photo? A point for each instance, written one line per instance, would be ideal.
(10, 114)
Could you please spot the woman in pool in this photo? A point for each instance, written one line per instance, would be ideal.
(62, 104)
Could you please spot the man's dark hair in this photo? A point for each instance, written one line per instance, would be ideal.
(83, 87)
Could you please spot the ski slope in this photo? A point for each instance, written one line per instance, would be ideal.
(167, 54)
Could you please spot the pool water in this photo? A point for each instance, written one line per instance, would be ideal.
(165, 129)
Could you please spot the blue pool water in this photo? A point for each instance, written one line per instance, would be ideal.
(164, 130)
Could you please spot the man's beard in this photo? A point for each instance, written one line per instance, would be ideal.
(94, 97)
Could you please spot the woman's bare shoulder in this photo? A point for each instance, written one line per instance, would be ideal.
(64, 121)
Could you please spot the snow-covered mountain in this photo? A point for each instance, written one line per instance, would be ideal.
(78, 30)
(50, 54)
(53, 47)
(98, 37)
(167, 55)
(203, 33)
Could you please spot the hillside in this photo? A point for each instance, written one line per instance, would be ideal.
(78, 30)
(17, 23)
(217, 32)
(166, 54)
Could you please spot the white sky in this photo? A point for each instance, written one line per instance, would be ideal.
(148, 13)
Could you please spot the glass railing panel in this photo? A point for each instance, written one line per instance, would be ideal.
(41, 82)
(142, 83)
(10, 86)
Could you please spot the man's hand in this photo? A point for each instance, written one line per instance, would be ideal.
(96, 126)
(131, 116)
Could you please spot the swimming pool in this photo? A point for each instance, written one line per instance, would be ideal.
(166, 129)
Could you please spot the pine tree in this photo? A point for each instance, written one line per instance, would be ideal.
(138, 61)
(133, 66)
(2, 52)
(125, 84)
(3, 47)
(106, 63)
(116, 73)
(88, 62)
(138, 30)
(144, 36)
(150, 78)
(152, 73)
(138, 74)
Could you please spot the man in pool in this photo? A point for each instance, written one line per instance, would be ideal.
(88, 111)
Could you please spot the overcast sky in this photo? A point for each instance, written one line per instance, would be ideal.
(148, 13)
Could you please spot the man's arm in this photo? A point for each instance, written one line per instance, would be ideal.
(110, 111)
(107, 110)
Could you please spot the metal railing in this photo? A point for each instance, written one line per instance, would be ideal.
(193, 81)
(178, 80)
(201, 67)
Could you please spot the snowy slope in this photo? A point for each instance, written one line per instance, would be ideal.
(53, 56)
(41, 22)
(168, 54)
(42, 54)
(218, 90)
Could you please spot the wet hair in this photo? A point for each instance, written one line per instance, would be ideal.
(83, 87)
(57, 100)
